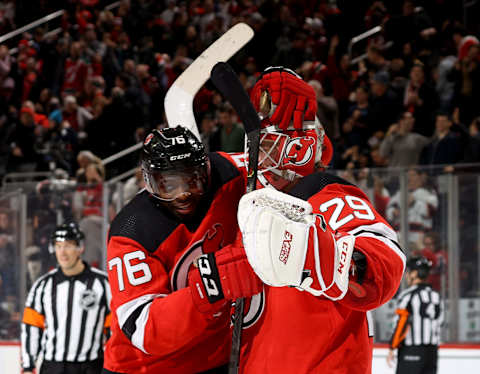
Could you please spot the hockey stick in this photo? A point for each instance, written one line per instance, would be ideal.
(227, 82)
(179, 98)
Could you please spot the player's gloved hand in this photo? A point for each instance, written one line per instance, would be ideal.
(293, 98)
(287, 245)
(223, 276)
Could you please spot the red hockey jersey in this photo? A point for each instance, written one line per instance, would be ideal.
(290, 331)
(155, 326)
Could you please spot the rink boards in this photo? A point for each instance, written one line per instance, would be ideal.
(453, 359)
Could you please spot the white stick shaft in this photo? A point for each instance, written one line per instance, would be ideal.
(179, 98)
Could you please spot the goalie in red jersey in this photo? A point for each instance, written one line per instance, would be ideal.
(325, 255)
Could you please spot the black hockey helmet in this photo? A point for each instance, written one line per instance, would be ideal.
(176, 152)
(421, 264)
(65, 232)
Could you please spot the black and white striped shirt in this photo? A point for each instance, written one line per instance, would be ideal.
(65, 317)
(418, 317)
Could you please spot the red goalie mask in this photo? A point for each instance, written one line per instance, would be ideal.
(293, 143)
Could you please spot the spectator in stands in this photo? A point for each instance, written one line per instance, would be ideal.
(339, 74)
(94, 87)
(472, 149)
(76, 115)
(93, 46)
(384, 105)
(463, 41)
(5, 64)
(88, 207)
(375, 59)
(85, 158)
(433, 251)
(6, 226)
(412, 25)
(208, 130)
(422, 204)
(54, 55)
(76, 70)
(420, 99)
(33, 256)
(327, 111)
(466, 75)
(9, 263)
(444, 147)
(230, 136)
(22, 140)
(444, 86)
(356, 128)
(401, 146)
(381, 196)
(128, 189)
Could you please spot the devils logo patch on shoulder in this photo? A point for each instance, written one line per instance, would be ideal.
(88, 299)
(148, 139)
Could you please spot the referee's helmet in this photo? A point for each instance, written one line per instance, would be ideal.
(421, 264)
(66, 232)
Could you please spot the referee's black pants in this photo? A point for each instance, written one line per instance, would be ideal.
(87, 367)
(417, 359)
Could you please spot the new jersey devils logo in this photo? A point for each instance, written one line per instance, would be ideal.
(299, 151)
(212, 241)
(148, 139)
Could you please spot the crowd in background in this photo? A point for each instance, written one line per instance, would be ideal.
(71, 99)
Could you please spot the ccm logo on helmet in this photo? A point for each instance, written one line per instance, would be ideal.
(286, 245)
(180, 157)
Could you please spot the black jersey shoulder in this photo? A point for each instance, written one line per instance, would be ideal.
(314, 183)
(222, 171)
(142, 221)
(145, 222)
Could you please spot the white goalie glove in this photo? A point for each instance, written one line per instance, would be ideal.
(287, 245)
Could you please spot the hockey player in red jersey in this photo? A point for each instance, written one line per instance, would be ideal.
(165, 320)
(326, 256)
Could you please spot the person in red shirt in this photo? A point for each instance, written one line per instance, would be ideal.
(325, 255)
(162, 320)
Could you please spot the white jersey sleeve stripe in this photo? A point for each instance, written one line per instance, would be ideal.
(139, 334)
(388, 242)
(124, 311)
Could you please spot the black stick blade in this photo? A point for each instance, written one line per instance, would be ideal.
(227, 82)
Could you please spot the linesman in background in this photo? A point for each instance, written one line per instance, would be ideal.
(418, 320)
(67, 312)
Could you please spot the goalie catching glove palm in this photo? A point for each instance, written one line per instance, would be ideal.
(223, 276)
(287, 245)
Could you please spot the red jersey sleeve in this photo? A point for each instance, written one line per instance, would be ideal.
(137, 296)
(347, 209)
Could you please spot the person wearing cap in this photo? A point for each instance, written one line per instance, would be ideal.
(418, 320)
(67, 311)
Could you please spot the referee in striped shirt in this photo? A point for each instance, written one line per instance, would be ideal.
(418, 320)
(67, 312)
